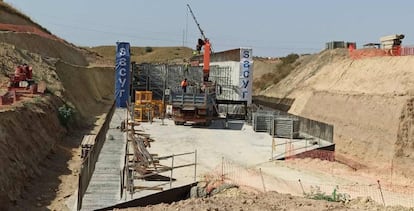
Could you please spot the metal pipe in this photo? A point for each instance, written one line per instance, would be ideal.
(261, 175)
(195, 165)
(169, 156)
(172, 168)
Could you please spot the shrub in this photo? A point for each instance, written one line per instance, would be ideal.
(290, 59)
(65, 114)
(283, 69)
(148, 49)
(335, 196)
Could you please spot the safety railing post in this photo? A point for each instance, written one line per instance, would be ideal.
(172, 168)
(195, 165)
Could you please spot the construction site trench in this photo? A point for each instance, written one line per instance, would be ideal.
(348, 119)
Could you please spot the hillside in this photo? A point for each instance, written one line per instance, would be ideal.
(147, 54)
(369, 102)
(35, 146)
(11, 15)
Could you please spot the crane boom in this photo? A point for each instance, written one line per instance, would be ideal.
(207, 48)
(195, 20)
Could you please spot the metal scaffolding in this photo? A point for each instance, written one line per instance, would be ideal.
(158, 77)
(222, 76)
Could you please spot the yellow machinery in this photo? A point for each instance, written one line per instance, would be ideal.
(146, 108)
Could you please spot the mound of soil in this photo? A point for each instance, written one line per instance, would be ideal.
(235, 199)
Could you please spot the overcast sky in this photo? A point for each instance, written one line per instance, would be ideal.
(270, 27)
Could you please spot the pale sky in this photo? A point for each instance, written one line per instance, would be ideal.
(270, 27)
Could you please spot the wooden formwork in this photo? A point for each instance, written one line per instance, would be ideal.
(159, 108)
(143, 113)
(143, 97)
(87, 144)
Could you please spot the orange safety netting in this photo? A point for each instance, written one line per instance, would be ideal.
(373, 52)
(407, 50)
(27, 29)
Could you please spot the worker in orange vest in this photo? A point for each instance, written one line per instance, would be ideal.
(184, 85)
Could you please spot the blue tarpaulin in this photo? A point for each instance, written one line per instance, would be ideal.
(122, 74)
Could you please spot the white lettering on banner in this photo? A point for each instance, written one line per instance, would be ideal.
(122, 62)
(122, 71)
(122, 51)
(246, 63)
(122, 81)
(121, 92)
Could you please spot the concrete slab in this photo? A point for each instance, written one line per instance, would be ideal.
(238, 144)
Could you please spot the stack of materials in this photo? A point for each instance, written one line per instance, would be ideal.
(144, 108)
(262, 121)
(391, 41)
(286, 127)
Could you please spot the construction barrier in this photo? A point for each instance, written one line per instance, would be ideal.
(407, 51)
(255, 179)
(88, 164)
(375, 52)
(27, 29)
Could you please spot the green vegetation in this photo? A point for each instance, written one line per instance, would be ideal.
(283, 69)
(335, 196)
(148, 49)
(65, 114)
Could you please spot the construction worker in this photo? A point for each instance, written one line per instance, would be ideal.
(184, 85)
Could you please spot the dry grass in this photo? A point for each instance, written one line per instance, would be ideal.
(144, 54)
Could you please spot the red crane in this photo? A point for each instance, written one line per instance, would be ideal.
(207, 48)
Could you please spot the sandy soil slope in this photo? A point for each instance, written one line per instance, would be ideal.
(368, 101)
(39, 156)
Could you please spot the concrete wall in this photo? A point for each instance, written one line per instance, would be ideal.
(316, 129)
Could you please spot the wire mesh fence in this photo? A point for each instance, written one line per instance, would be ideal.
(254, 178)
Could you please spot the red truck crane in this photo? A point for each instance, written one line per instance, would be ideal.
(197, 107)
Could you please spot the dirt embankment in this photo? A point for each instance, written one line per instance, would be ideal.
(89, 89)
(45, 47)
(368, 101)
(28, 133)
(34, 146)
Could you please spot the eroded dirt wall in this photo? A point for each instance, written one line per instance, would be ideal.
(91, 90)
(365, 126)
(403, 159)
(368, 101)
(27, 135)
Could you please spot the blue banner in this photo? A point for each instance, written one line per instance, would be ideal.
(122, 74)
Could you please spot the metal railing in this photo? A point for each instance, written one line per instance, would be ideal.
(130, 176)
